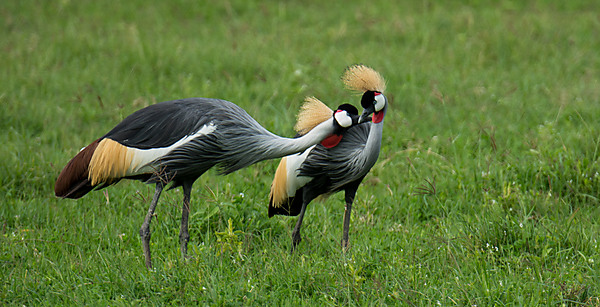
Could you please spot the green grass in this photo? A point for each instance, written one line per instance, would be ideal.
(485, 193)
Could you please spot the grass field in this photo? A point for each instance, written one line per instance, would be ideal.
(485, 193)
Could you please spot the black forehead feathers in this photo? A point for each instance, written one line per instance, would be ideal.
(348, 108)
(367, 99)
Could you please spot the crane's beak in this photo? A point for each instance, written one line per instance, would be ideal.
(364, 117)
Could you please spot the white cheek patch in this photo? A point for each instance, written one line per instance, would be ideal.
(343, 119)
(379, 102)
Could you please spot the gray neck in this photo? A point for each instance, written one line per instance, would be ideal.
(373, 143)
(245, 150)
(375, 135)
(286, 146)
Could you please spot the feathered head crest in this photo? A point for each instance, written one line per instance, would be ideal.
(361, 78)
(312, 113)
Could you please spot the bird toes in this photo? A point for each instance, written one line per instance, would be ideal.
(296, 238)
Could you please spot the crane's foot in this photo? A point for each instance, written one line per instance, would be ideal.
(188, 257)
(184, 254)
(296, 238)
(345, 240)
(345, 245)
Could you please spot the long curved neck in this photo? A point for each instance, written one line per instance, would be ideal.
(374, 140)
(373, 144)
(287, 146)
(242, 149)
(245, 149)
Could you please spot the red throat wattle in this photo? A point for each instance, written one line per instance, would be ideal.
(378, 117)
(331, 141)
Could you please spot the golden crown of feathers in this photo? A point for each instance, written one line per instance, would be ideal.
(359, 78)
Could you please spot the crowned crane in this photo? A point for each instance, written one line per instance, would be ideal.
(321, 169)
(178, 141)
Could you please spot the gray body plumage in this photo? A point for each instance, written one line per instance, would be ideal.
(301, 178)
(237, 140)
(177, 141)
(342, 167)
(345, 163)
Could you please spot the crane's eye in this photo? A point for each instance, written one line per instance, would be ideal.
(379, 102)
(343, 118)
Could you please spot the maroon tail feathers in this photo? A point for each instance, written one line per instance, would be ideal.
(73, 180)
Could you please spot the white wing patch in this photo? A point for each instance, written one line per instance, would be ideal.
(143, 158)
(295, 182)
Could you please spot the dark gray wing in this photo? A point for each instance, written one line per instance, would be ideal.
(344, 163)
(163, 124)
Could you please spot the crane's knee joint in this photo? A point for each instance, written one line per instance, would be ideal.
(145, 232)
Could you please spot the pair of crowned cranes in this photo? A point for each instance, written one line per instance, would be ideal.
(177, 141)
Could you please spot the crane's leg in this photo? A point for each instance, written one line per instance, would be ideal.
(349, 197)
(296, 237)
(184, 235)
(145, 230)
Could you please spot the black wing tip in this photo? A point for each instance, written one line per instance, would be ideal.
(288, 208)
